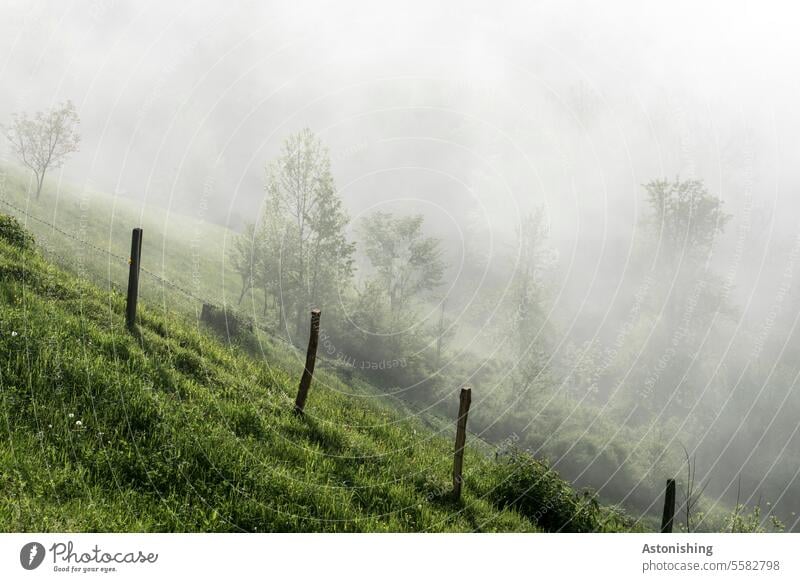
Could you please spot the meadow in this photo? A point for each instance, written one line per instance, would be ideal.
(177, 427)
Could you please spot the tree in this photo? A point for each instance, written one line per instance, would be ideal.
(44, 141)
(527, 291)
(407, 262)
(686, 218)
(683, 304)
(277, 260)
(244, 257)
(298, 253)
(523, 317)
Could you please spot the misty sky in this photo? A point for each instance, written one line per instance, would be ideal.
(469, 113)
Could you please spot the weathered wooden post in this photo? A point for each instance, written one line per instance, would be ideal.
(461, 439)
(311, 358)
(133, 277)
(669, 507)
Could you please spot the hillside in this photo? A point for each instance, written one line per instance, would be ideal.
(89, 232)
(172, 430)
(186, 263)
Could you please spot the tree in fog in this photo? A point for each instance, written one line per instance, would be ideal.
(244, 257)
(403, 267)
(407, 262)
(684, 225)
(519, 323)
(298, 253)
(685, 219)
(687, 300)
(45, 140)
(261, 255)
(524, 322)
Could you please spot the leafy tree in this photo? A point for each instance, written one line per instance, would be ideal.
(44, 141)
(244, 257)
(528, 291)
(683, 227)
(406, 261)
(524, 316)
(686, 219)
(277, 262)
(259, 256)
(298, 253)
(316, 257)
(385, 333)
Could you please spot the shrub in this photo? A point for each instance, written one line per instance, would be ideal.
(536, 491)
(12, 232)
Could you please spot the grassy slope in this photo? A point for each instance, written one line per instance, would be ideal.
(179, 432)
(186, 251)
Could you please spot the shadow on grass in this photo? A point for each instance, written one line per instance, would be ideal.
(309, 429)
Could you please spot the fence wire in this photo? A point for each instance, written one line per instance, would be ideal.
(219, 305)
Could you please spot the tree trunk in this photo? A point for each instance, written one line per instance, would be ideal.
(39, 184)
(299, 321)
(245, 286)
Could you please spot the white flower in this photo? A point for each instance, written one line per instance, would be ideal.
(14, 334)
(70, 415)
(78, 423)
(49, 426)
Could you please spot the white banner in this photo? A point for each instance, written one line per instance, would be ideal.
(371, 557)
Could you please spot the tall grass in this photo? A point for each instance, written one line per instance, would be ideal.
(170, 430)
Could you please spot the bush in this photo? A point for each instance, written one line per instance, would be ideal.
(12, 232)
(536, 491)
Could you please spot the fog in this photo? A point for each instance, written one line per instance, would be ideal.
(475, 116)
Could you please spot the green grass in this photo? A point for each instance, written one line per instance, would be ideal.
(187, 251)
(171, 430)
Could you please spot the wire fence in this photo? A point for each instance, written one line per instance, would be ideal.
(441, 420)
(126, 260)
(123, 260)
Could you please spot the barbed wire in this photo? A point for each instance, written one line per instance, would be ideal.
(220, 305)
(122, 259)
(60, 230)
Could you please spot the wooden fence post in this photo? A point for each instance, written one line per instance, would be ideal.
(311, 358)
(461, 439)
(133, 277)
(669, 507)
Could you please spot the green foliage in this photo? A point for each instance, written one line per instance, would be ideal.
(297, 253)
(681, 310)
(12, 232)
(685, 216)
(744, 520)
(241, 397)
(169, 430)
(537, 492)
(406, 262)
(526, 309)
(520, 322)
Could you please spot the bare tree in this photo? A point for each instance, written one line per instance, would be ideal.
(44, 141)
